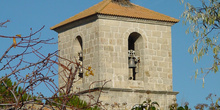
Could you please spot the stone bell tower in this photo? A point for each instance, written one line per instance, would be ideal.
(127, 44)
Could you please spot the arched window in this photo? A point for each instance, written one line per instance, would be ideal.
(78, 47)
(80, 41)
(135, 45)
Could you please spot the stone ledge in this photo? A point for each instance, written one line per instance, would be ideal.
(138, 20)
(76, 23)
(129, 90)
(102, 16)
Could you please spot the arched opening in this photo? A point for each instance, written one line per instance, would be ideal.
(78, 47)
(80, 41)
(77, 44)
(132, 39)
(135, 45)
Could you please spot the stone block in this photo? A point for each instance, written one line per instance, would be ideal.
(148, 33)
(114, 29)
(156, 33)
(163, 41)
(162, 53)
(169, 88)
(161, 28)
(160, 87)
(125, 24)
(156, 46)
(108, 35)
(152, 40)
(159, 81)
(165, 47)
(120, 42)
(104, 28)
(159, 69)
(152, 80)
(142, 26)
(151, 52)
(123, 29)
(150, 27)
(112, 23)
(163, 75)
(170, 76)
(103, 40)
(166, 34)
(163, 64)
(134, 25)
(167, 70)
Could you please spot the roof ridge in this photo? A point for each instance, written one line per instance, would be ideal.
(100, 9)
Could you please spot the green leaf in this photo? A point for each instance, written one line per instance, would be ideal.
(202, 70)
(197, 33)
(208, 40)
(187, 31)
(155, 103)
(215, 67)
(217, 101)
(195, 59)
(186, 107)
(180, 108)
(200, 54)
(203, 82)
(152, 108)
(190, 50)
(196, 73)
(215, 50)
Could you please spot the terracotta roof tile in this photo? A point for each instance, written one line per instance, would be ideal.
(109, 8)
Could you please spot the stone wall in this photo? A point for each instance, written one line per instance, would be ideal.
(125, 99)
(67, 40)
(105, 49)
(156, 55)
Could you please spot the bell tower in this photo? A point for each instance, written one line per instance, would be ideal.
(129, 45)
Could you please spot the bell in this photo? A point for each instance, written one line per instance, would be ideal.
(80, 72)
(131, 63)
(80, 54)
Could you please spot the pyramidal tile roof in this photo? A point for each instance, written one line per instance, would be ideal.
(107, 7)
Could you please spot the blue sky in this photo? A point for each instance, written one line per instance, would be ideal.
(26, 14)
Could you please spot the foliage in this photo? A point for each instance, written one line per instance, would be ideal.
(214, 105)
(146, 105)
(25, 63)
(204, 24)
(6, 96)
(73, 102)
(176, 107)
